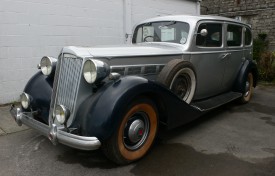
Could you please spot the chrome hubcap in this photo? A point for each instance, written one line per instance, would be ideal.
(136, 131)
(182, 86)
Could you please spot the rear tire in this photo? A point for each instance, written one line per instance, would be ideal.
(179, 76)
(135, 134)
(248, 89)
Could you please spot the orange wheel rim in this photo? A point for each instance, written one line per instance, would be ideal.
(141, 151)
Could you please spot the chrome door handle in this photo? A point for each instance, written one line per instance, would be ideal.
(225, 55)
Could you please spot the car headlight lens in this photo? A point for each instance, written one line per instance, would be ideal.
(62, 114)
(95, 70)
(25, 100)
(89, 71)
(47, 65)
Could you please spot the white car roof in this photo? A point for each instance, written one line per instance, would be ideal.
(192, 19)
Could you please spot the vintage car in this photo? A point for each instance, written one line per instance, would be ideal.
(114, 98)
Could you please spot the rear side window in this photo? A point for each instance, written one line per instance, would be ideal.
(234, 35)
(214, 36)
(247, 37)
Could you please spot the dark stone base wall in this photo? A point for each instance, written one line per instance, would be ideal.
(260, 14)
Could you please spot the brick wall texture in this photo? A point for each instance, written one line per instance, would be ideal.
(260, 14)
(31, 29)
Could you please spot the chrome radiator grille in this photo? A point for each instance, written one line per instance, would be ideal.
(66, 82)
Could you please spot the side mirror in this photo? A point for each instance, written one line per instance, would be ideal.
(204, 32)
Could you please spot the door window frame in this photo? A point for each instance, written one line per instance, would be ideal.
(205, 47)
(242, 33)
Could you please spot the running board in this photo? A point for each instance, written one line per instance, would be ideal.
(206, 105)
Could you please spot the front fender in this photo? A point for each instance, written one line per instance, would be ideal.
(39, 87)
(101, 113)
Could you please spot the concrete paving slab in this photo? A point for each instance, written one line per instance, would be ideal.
(2, 132)
(7, 123)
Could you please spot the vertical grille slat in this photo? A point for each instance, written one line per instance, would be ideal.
(67, 82)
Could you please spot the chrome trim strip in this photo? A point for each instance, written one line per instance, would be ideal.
(139, 65)
(137, 55)
(75, 141)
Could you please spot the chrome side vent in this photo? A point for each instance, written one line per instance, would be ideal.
(150, 69)
(137, 69)
(134, 71)
(120, 70)
(160, 68)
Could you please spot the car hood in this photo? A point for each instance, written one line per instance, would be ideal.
(145, 49)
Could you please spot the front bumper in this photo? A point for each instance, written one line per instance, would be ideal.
(55, 134)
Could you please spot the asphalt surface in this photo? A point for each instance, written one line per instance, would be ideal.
(231, 140)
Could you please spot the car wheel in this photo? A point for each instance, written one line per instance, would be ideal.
(135, 134)
(179, 76)
(248, 89)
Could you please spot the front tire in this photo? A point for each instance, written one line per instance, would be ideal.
(135, 134)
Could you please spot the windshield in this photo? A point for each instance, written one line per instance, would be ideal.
(169, 31)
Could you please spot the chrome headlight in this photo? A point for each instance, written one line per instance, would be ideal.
(95, 70)
(25, 100)
(62, 114)
(47, 65)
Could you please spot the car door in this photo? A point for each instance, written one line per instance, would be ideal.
(235, 54)
(208, 59)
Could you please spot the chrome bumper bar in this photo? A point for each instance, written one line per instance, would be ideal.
(55, 134)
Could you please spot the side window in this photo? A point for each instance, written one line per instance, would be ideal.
(234, 35)
(214, 36)
(247, 37)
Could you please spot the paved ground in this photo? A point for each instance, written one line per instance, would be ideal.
(7, 124)
(232, 140)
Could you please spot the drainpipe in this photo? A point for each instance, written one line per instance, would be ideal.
(127, 20)
(198, 7)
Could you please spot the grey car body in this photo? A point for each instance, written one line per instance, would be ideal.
(216, 67)
(176, 66)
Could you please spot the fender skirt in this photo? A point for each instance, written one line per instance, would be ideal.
(100, 114)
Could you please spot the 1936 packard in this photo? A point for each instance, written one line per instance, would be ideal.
(176, 69)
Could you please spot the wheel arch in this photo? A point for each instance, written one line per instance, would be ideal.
(160, 106)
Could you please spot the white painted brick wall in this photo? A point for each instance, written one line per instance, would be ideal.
(30, 29)
(143, 9)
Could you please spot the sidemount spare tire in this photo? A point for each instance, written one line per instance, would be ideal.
(179, 76)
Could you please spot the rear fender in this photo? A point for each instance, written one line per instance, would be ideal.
(248, 66)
